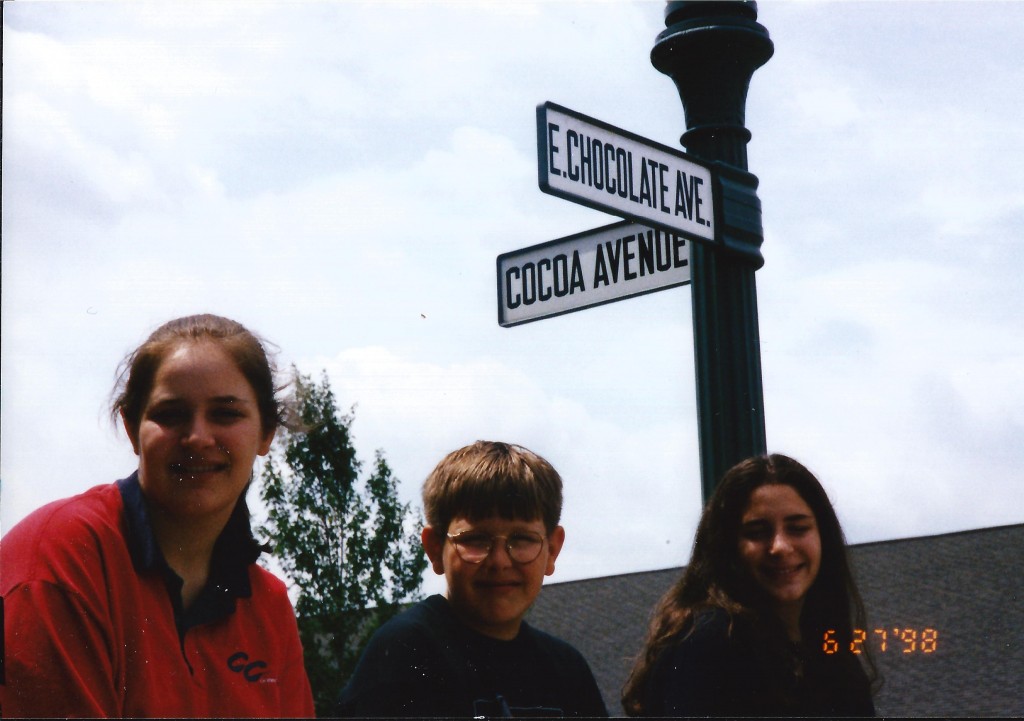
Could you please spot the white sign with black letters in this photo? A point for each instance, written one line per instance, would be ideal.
(598, 266)
(598, 165)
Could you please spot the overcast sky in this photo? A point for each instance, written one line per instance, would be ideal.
(341, 176)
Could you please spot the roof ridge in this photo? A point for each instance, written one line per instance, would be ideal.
(864, 544)
(944, 534)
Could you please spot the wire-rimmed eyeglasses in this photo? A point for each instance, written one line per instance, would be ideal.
(474, 547)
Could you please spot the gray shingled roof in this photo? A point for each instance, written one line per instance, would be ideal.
(967, 586)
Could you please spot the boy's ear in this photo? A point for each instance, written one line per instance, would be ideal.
(555, 540)
(433, 544)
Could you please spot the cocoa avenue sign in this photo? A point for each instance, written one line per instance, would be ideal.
(599, 266)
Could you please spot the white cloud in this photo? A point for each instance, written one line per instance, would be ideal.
(341, 176)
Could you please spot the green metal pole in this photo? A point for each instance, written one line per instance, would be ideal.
(711, 50)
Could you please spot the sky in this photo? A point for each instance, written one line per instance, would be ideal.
(341, 177)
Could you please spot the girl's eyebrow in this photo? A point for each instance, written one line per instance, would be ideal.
(227, 399)
(164, 401)
(790, 518)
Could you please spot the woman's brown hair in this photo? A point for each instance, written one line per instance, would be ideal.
(138, 370)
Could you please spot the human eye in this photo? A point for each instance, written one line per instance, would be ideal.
(226, 415)
(755, 532)
(524, 540)
(167, 415)
(474, 541)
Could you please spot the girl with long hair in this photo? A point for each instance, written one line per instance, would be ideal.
(742, 632)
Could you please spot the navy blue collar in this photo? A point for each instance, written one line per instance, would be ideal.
(235, 550)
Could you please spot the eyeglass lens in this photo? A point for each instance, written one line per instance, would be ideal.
(475, 547)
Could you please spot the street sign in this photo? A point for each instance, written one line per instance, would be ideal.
(579, 271)
(598, 165)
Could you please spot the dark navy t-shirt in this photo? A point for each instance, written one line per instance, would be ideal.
(425, 662)
(715, 670)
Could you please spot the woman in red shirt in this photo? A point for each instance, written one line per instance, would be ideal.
(142, 597)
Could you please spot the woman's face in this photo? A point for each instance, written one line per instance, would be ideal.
(780, 545)
(199, 434)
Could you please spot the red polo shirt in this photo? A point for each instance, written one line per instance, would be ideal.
(94, 624)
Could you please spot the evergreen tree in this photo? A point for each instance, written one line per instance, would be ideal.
(348, 545)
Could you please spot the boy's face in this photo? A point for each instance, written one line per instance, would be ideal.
(492, 596)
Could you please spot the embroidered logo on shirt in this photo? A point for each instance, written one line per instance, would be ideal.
(252, 671)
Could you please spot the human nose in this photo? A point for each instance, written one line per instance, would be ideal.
(780, 543)
(499, 554)
(198, 433)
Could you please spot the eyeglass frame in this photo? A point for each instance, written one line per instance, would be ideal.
(492, 538)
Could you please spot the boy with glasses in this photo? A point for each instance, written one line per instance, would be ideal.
(492, 513)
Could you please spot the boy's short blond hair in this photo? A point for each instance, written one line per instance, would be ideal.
(491, 478)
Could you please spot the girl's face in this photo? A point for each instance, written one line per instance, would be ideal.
(199, 434)
(780, 545)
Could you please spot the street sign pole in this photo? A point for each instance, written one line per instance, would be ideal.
(711, 50)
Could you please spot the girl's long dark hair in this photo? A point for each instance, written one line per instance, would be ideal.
(716, 577)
